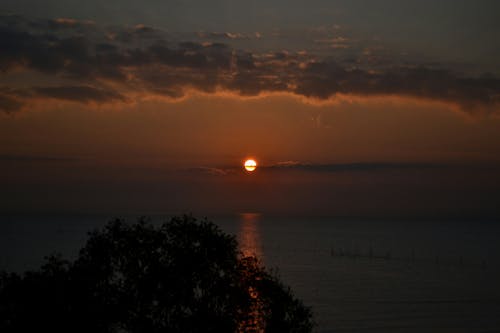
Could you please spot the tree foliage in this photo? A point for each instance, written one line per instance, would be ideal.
(183, 276)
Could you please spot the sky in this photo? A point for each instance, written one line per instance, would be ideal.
(351, 108)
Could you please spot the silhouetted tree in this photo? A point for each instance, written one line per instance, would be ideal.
(183, 276)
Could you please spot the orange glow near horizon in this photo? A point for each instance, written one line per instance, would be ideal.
(250, 165)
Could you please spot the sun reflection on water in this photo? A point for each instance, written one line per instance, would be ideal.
(250, 246)
(249, 235)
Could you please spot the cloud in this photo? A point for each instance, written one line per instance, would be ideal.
(290, 166)
(13, 100)
(338, 42)
(143, 61)
(228, 35)
(64, 22)
(9, 102)
(287, 164)
(83, 94)
(35, 158)
(211, 171)
(351, 167)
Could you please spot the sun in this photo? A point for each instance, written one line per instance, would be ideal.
(250, 165)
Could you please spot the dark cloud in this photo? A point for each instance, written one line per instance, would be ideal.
(35, 158)
(84, 94)
(141, 59)
(323, 168)
(229, 35)
(352, 167)
(68, 23)
(324, 79)
(9, 103)
(12, 100)
(136, 33)
(211, 171)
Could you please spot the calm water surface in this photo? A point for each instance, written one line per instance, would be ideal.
(358, 275)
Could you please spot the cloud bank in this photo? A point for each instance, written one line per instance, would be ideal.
(323, 168)
(124, 64)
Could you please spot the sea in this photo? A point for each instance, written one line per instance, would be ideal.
(357, 274)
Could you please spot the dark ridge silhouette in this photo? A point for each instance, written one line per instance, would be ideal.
(183, 276)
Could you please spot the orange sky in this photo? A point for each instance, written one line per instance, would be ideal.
(217, 131)
(161, 156)
(140, 118)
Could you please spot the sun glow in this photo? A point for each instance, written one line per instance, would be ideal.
(250, 165)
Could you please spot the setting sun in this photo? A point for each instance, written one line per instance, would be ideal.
(250, 165)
